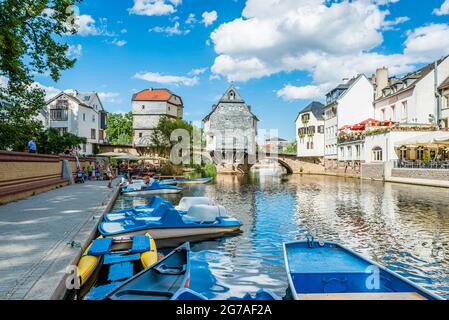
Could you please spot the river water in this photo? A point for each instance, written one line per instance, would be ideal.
(405, 228)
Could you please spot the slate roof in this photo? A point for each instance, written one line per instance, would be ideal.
(317, 109)
(416, 76)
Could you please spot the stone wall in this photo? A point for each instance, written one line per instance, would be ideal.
(374, 171)
(23, 174)
(431, 174)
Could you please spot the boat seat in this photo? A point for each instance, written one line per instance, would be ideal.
(100, 247)
(118, 258)
(187, 202)
(120, 271)
(363, 296)
(204, 213)
(140, 244)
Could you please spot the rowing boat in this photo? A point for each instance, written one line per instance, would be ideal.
(329, 271)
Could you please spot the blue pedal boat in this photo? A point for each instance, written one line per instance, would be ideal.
(329, 271)
(261, 295)
(150, 210)
(195, 181)
(160, 281)
(167, 222)
(136, 190)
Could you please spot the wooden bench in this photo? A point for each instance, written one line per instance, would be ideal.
(363, 296)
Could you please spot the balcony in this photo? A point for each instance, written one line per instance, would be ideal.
(350, 137)
(59, 115)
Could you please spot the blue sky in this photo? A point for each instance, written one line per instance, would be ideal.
(282, 54)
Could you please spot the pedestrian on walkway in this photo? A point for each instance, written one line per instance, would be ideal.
(109, 174)
(32, 145)
(90, 170)
(98, 171)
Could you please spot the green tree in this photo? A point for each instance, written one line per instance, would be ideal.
(120, 128)
(162, 133)
(291, 148)
(52, 142)
(31, 33)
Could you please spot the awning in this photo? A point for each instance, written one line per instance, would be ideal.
(433, 138)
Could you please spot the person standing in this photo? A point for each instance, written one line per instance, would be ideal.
(90, 169)
(32, 145)
(109, 174)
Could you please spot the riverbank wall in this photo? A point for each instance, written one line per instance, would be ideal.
(23, 174)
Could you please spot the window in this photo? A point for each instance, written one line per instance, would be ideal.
(93, 118)
(393, 113)
(349, 152)
(84, 117)
(86, 98)
(63, 131)
(305, 118)
(342, 152)
(404, 110)
(231, 95)
(420, 153)
(93, 134)
(321, 129)
(140, 135)
(377, 154)
(403, 153)
(311, 145)
(143, 107)
(84, 148)
(446, 102)
(357, 151)
(101, 134)
(60, 112)
(382, 113)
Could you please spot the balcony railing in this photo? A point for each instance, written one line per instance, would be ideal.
(59, 115)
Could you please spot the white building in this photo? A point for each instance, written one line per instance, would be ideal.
(412, 98)
(310, 131)
(81, 114)
(444, 104)
(349, 103)
(148, 106)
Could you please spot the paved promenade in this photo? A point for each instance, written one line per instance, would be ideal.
(34, 237)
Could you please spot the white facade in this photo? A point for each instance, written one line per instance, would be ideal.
(382, 147)
(81, 114)
(148, 107)
(351, 151)
(347, 104)
(310, 134)
(412, 99)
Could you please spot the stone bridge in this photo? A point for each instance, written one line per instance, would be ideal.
(291, 163)
(294, 164)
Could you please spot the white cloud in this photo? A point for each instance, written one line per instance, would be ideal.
(444, 10)
(209, 18)
(191, 19)
(111, 97)
(175, 30)
(197, 72)
(75, 51)
(119, 43)
(309, 92)
(154, 7)
(390, 25)
(167, 79)
(88, 26)
(329, 40)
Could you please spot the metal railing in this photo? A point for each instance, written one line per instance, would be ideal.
(420, 164)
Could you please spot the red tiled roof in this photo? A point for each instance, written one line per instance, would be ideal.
(153, 95)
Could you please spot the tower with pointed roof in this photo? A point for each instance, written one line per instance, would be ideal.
(230, 130)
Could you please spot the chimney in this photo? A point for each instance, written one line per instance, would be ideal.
(381, 81)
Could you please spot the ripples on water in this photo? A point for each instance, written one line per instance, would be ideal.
(405, 228)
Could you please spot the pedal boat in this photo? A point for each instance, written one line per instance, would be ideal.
(169, 223)
(329, 271)
(150, 210)
(115, 259)
(159, 282)
(136, 190)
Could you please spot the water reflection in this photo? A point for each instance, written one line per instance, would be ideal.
(403, 227)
